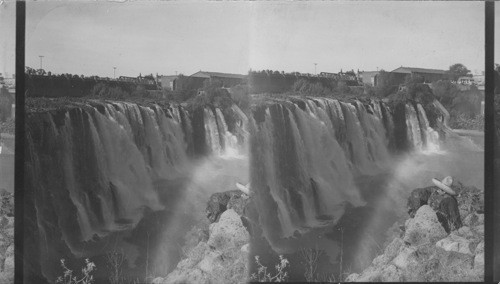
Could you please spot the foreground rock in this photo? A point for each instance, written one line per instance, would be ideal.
(6, 237)
(223, 256)
(425, 252)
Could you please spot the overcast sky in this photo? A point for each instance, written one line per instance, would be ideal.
(7, 37)
(164, 37)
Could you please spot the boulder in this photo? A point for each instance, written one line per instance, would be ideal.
(6, 203)
(479, 257)
(218, 202)
(238, 203)
(391, 273)
(479, 248)
(479, 261)
(8, 265)
(229, 232)
(465, 232)
(405, 257)
(393, 248)
(454, 243)
(352, 277)
(418, 197)
(480, 219)
(222, 259)
(479, 229)
(245, 248)
(424, 228)
(470, 219)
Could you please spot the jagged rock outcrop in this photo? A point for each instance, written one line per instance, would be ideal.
(223, 257)
(424, 228)
(6, 237)
(425, 252)
(221, 201)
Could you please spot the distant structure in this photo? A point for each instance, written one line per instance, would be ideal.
(430, 75)
(168, 82)
(368, 77)
(466, 81)
(228, 79)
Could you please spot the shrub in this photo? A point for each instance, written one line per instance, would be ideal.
(241, 96)
(263, 276)
(115, 261)
(85, 278)
(463, 121)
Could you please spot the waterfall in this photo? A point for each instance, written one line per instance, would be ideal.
(413, 127)
(429, 135)
(307, 152)
(212, 135)
(301, 173)
(94, 169)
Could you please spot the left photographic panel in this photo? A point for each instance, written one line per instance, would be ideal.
(7, 138)
(132, 176)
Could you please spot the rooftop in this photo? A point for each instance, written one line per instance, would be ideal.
(409, 70)
(208, 74)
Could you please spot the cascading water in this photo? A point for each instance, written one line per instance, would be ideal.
(413, 127)
(430, 136)
(313, 158)
(95, 170)
(300, 172)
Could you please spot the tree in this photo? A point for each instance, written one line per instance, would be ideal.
(458, 70)
(445, 91)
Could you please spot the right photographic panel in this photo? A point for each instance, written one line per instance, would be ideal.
(367, 153)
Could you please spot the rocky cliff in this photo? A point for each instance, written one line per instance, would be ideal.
(424, 251)
(6, 237)
(221, 255)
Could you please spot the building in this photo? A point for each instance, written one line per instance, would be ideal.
(479, 81)
(228, 79)
(466, 81)
(430, 75)
(168, 82)
(368, 77)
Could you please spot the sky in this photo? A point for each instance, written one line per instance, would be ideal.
(7, 37)
(91, 38)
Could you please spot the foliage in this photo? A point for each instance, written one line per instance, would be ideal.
(212, 95)
(263, 276)
(413, 92)
(462, 121)
(307, 88)
(241, 96)
(103, 90)
(115, 261)
(85, 278)
(445, 91)
(6, 101)
(310, 257)
(9, 126)
(458, 70)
